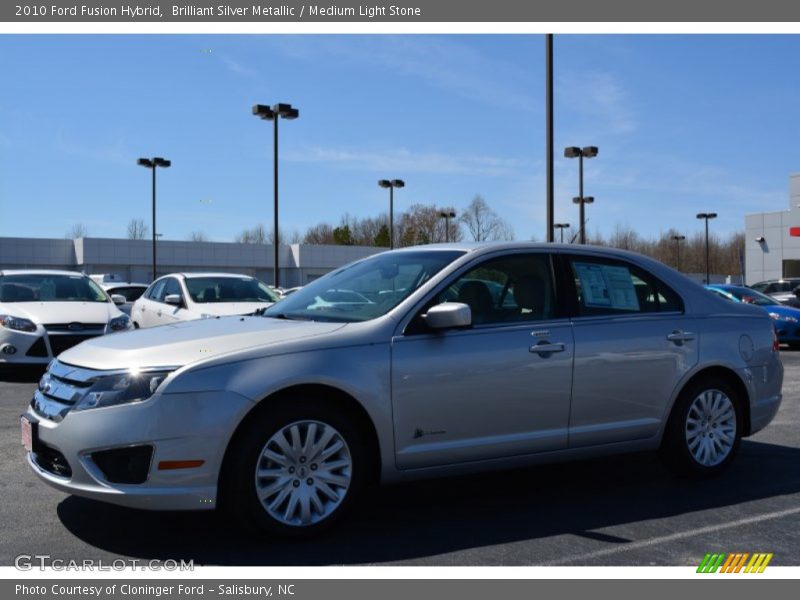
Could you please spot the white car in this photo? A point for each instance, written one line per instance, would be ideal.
(188, 296)
(43, 313)
(130, 291)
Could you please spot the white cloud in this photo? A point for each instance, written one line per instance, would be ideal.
(236, 67)
(405, 161)
(599, 98)
(441, 62)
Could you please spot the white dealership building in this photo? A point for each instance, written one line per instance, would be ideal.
(132, 259)
(772, 249)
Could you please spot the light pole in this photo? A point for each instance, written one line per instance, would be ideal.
(391, 184)
(562, 227)
(580, 154)
(447, 215)
(548, 59)
(274, 114)
(707, 216)
(678, 239)
(153, 164)
(583, 201)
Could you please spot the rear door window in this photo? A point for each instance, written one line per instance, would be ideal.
(612, 287)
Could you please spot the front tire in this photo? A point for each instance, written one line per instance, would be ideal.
(705, 428)
(296, 470)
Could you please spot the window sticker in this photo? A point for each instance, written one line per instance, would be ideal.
(606, 286)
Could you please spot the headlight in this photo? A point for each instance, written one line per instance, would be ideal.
(119, 323)
(17, 323)
(777, 317)
(124, 388)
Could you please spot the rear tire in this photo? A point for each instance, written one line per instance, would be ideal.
(705, 428)
(297, 469)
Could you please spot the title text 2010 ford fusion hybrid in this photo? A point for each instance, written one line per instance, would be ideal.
(419, 362)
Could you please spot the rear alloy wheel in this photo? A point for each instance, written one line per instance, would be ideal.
(710, 428)
(705, 429)
(296, 469)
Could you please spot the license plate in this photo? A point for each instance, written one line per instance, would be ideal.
(27, 434)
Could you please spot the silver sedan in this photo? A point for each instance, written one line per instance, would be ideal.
(459, 358)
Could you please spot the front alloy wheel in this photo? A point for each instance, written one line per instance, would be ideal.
(303, 473)
(296, 468)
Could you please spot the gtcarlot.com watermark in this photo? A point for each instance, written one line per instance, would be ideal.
(30, 562)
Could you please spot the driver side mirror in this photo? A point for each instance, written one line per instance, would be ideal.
(448, 315)
(118, 299)
(174, 299)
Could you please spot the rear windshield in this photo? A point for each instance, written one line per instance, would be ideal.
(50, 288)
(205, 290)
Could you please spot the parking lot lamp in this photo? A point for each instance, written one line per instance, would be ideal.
(678, 239)
(562, 227)
(447, 215)
(580, 154)
(274, 114)
(153, 164)
(391, 184)
(707, 216)
(583, 201)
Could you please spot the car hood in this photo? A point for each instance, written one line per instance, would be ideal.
(221, 309)
(62, 312)
(188, 341)
(783, 311)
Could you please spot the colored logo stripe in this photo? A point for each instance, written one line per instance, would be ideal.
(734, 563)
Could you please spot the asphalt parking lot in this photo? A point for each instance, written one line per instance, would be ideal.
(626, 510)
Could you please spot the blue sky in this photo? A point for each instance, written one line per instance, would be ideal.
(684, 124)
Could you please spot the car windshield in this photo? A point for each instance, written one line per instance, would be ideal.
(36, 287)
(750, 296)
(364, 290)
(204, 290)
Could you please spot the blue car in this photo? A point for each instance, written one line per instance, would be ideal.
(785, 318)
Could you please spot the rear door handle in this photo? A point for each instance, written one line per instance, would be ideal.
(678, 337)
(547, 348)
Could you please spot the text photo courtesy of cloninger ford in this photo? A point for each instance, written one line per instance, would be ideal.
(422, 300)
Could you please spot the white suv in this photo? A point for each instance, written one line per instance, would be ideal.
(188, 296)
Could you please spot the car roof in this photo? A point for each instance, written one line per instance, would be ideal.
(39, 272)
(210, 274)
(115, 284)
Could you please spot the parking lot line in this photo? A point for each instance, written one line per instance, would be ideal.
(671, 538)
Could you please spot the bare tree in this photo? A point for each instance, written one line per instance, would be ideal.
(137, 230)
(78, 230)
(483, 223)
(255, 235)
(319, 234)
(198, 236)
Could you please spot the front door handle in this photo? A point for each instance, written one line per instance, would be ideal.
(546, 348)
(159, 312)
(678, 337)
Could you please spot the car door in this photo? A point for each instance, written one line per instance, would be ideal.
(148, 305)
(499, 388)
(633, 344)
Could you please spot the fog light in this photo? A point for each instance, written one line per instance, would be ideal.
(9, 349)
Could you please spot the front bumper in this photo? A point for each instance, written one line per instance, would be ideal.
(178, 427)
(41, 346)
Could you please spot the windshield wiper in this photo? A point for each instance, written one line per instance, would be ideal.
(284, 316)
